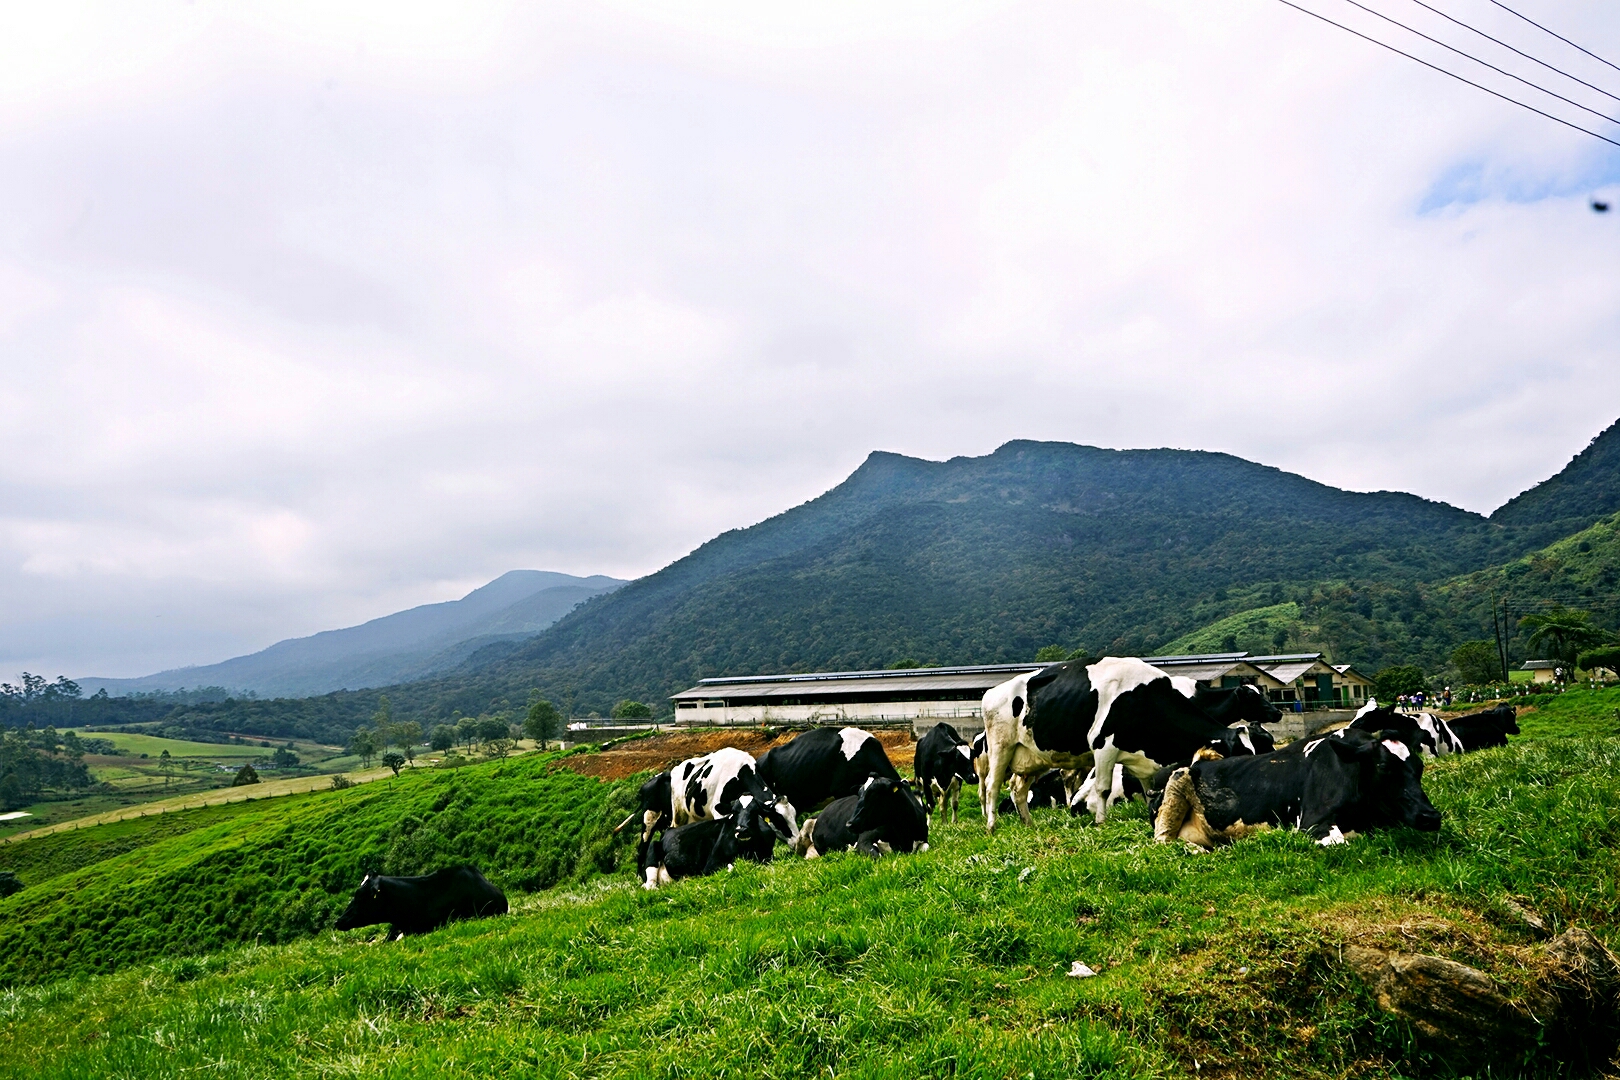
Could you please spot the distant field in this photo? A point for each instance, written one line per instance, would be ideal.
(153, 746)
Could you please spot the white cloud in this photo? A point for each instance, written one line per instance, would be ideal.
(309, 313)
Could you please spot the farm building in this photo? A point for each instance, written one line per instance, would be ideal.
(876, 698)
(919, 695)
(1541, 671)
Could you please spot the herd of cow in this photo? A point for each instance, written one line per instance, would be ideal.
(1075, 734)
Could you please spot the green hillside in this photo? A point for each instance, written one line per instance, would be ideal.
(946, 964)
(102, 898)
(1258, 630)
(1584, 490)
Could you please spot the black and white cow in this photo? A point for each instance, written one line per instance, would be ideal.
(943, 762)
(823, 764)
(700, 848)
(1116, 711)
(1331, 787)
(1430, 734)
(701, 789)
(415, 905)
(1050, 790)
(883, 817)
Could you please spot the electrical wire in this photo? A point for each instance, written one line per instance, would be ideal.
(1453, 74)
(1521, 52)
(1560, 37)
(1534, 86)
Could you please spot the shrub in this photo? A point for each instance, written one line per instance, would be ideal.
(339, 782)
(247, 774)
(631, 710)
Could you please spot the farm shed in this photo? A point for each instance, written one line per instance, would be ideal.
(919, 697)
(1309, 678)
(1217, 670)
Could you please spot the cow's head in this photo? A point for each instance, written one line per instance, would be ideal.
(1244, 738)
(1392, 780)
(1508, 719)
(757, 820)
(961, 758)
(366, 907)
(1254, 707)
(881, 798)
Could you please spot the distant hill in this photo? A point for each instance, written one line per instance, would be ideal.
(1585, 490)
(405, 646)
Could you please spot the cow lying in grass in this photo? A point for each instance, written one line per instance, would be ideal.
(1436, 737)
(1331, 788)
(415, 905)
(700, 789)
(883, 817)
(705, 847)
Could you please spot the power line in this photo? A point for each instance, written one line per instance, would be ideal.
(1453, 74)
(1544, 30)
(1521, 52)
(1477, 60)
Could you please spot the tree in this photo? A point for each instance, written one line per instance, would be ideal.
(1562, 632)
(9, 883)
(383, 721)
(467, 729)
(407, 734)
(492, 729)
(394, 760)
(631, 710)
(363, 744)
(443, 737)
(284, 758)
(543, 723)
(247, 774)
(166, 767)
(1604, 656)
(1477, 661)
(1051, 654)
(1392, 682)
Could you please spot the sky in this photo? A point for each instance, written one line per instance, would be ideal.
(313, 312)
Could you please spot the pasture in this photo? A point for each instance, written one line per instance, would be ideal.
(948, 963)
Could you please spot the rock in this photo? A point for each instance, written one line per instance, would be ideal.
(1446, 1002)
(1522, 918)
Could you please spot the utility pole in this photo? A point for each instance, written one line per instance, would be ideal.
(1501, 647)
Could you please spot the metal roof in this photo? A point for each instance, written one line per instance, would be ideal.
(1206, 669)
(1346, 669)
(1194, 658)
(1287, 667)
(910, 680)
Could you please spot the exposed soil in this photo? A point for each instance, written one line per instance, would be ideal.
(659, 752)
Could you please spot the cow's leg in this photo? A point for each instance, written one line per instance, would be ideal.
(1102, 777)
(953, 796)
(1020, 796)
(995, 775)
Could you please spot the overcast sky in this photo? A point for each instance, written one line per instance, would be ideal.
(315, 312)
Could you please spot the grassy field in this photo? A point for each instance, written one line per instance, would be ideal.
(132, 745)
(949, 963)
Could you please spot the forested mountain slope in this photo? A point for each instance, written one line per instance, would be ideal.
(1586, 489)
(978, 560)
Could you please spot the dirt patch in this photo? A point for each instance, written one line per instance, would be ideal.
(659, 752)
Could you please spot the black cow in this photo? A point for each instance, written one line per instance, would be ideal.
(883, 817)
(1233, 705)
(1116, 711)
(704, 847)
(415, 905)
(1430, 734)
(823, 764)
(1330, 787)
(1478, 730)
(944, 761)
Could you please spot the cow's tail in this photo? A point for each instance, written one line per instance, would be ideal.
(1176, 807)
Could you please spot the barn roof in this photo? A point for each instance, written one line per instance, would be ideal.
(980, 677)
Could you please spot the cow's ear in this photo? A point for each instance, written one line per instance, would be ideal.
(1347, 750)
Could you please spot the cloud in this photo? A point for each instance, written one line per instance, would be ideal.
(312, 313)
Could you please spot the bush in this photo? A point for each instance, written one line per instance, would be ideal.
(9, 883)
(631, 710)
(339, 782)
(247, 774)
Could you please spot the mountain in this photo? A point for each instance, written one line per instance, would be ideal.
(401, 647)
(1586, 489)
(986, 559)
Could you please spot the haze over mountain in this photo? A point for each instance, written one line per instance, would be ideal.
(406, 645)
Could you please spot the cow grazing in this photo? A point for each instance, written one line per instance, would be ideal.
(1050, 790)
(944, 761)
(1115, 711)
(823, 764)
(883, 817)
(415, 905)
(1331, 787)
(700, 789)
(750, 832)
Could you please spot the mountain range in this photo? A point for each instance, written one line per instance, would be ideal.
(401, 647)
(989, 559)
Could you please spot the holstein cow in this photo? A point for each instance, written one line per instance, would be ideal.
(883, 817)
(1048, 791)
(1116, 711)
(1332, 788)
(1430, 734)
(750, 831)
(1478, 730)
(415, 905)
(944, 760)
(823, 764)
(700, 789)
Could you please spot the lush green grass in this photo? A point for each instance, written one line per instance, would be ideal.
(133, 745)
(279, 869)
(948, 963)
(1574, 712)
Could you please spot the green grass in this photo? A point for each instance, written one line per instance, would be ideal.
(132, 745)
(948, 963)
